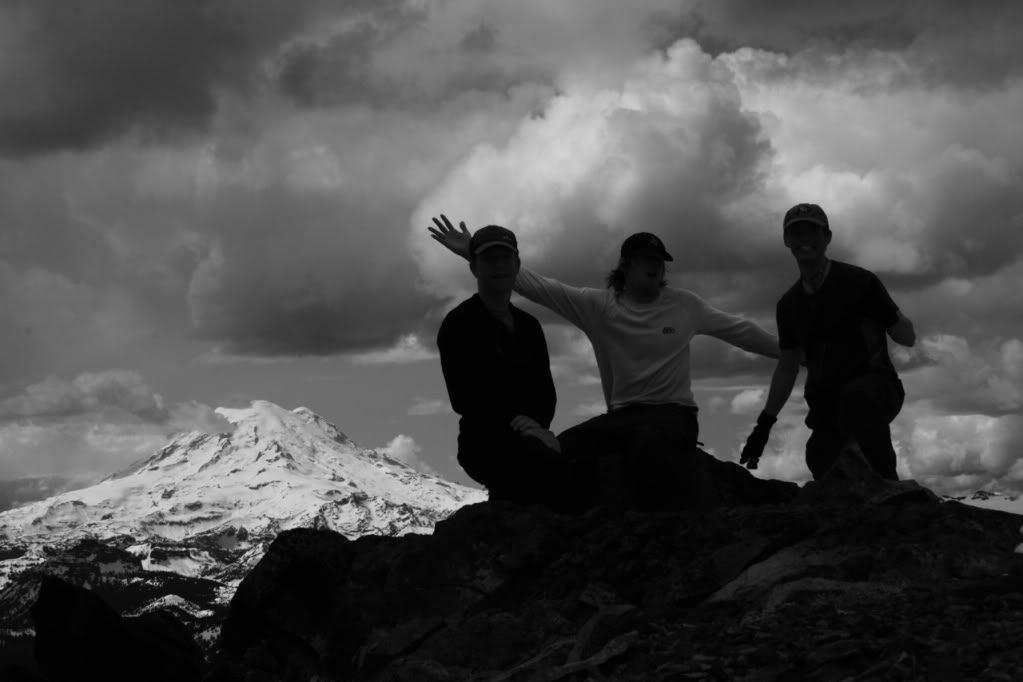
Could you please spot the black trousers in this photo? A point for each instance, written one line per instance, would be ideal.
(646, 450)
(862, 410)
(518, 468)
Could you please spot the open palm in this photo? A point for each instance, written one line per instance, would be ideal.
(457, 241)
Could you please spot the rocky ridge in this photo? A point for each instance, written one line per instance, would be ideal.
(849, 578)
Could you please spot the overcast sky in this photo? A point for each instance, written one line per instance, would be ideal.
(204, 202)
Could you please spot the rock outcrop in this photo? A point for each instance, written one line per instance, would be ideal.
(885, 582)
(851, 577)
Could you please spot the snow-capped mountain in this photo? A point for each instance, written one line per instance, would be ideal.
(278, 469)
(204, 508)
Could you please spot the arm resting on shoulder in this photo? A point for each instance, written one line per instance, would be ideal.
(902, 332)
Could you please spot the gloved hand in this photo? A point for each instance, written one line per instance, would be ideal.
(757, 440)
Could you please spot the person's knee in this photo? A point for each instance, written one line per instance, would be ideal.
(822, 451)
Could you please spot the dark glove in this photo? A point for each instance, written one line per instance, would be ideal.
(757, 441)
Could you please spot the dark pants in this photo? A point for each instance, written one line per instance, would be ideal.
(862, 411)
(518, 468)
(647, 452)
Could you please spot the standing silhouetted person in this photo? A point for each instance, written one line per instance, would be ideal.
(837, 314)
(497, 371)
(640, 329)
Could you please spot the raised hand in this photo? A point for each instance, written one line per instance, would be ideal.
(456, 241)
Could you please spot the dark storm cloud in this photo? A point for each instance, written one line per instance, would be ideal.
(77, 73)
(305, 275)
(947, 40)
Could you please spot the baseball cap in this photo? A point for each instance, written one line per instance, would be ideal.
(644, 241)
(490, 236)
(806, 213)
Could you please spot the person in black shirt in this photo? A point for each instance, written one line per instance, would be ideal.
(497, 371)
(836, 317)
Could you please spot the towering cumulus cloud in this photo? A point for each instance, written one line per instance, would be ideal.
(256, 176)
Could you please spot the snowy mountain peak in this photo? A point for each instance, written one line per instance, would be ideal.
(265, 417)
(278, 469)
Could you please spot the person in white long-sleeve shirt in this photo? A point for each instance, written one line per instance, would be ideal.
(640, 329)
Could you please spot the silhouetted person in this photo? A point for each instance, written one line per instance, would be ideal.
(640, 330)
(837, 314)
(497, 371)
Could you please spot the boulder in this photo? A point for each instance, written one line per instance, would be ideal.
(506, 592)
(80, 637)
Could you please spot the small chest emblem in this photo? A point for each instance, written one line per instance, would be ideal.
(668, 330)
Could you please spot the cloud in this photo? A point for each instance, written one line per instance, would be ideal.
(574, 182)
(46, 317)
(92, 424)
(408, 349)
(961, 453)
(87, 72)
(427, 407)
(590, 409)
(405, 449)
(748, 401)
(961, 379)
(947, 41)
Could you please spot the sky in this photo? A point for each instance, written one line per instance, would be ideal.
(206, 202)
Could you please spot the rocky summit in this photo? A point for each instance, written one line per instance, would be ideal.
(849, 578)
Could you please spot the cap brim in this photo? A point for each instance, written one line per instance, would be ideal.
(804, 219)
(489, 245)
(649, 251)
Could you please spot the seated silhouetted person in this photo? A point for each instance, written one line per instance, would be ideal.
(837, 315)
(497, 370)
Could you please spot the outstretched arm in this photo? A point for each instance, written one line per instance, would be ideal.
(782, 381)
(738, 331)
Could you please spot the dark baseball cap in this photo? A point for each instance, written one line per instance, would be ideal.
(644, 241)
(490, 236)
(806, 213)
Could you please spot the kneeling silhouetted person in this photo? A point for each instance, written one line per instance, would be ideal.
(497, 370)
(837, 315)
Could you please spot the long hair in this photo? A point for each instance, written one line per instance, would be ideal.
(616, 278)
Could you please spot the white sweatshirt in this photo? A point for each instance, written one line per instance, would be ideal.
(643, 349)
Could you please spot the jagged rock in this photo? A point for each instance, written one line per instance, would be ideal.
(852, 480)
(80, 637)
(696, 481)
(770, 592)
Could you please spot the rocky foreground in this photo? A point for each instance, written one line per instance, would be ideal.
(851, 578)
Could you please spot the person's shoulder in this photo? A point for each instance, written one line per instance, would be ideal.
(671, 295)
(523, 316)
(853, 275)
(463, 311)
(850, 270)
(791, 294)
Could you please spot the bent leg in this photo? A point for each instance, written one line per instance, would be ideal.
(868, 405)
(822, 448)
(594, 450)
(661, 466)
(517, 469)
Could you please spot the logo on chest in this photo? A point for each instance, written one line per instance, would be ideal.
(668, 330)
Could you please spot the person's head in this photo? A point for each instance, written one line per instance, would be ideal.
(807, 232)
(494, 258)
(640, 266)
